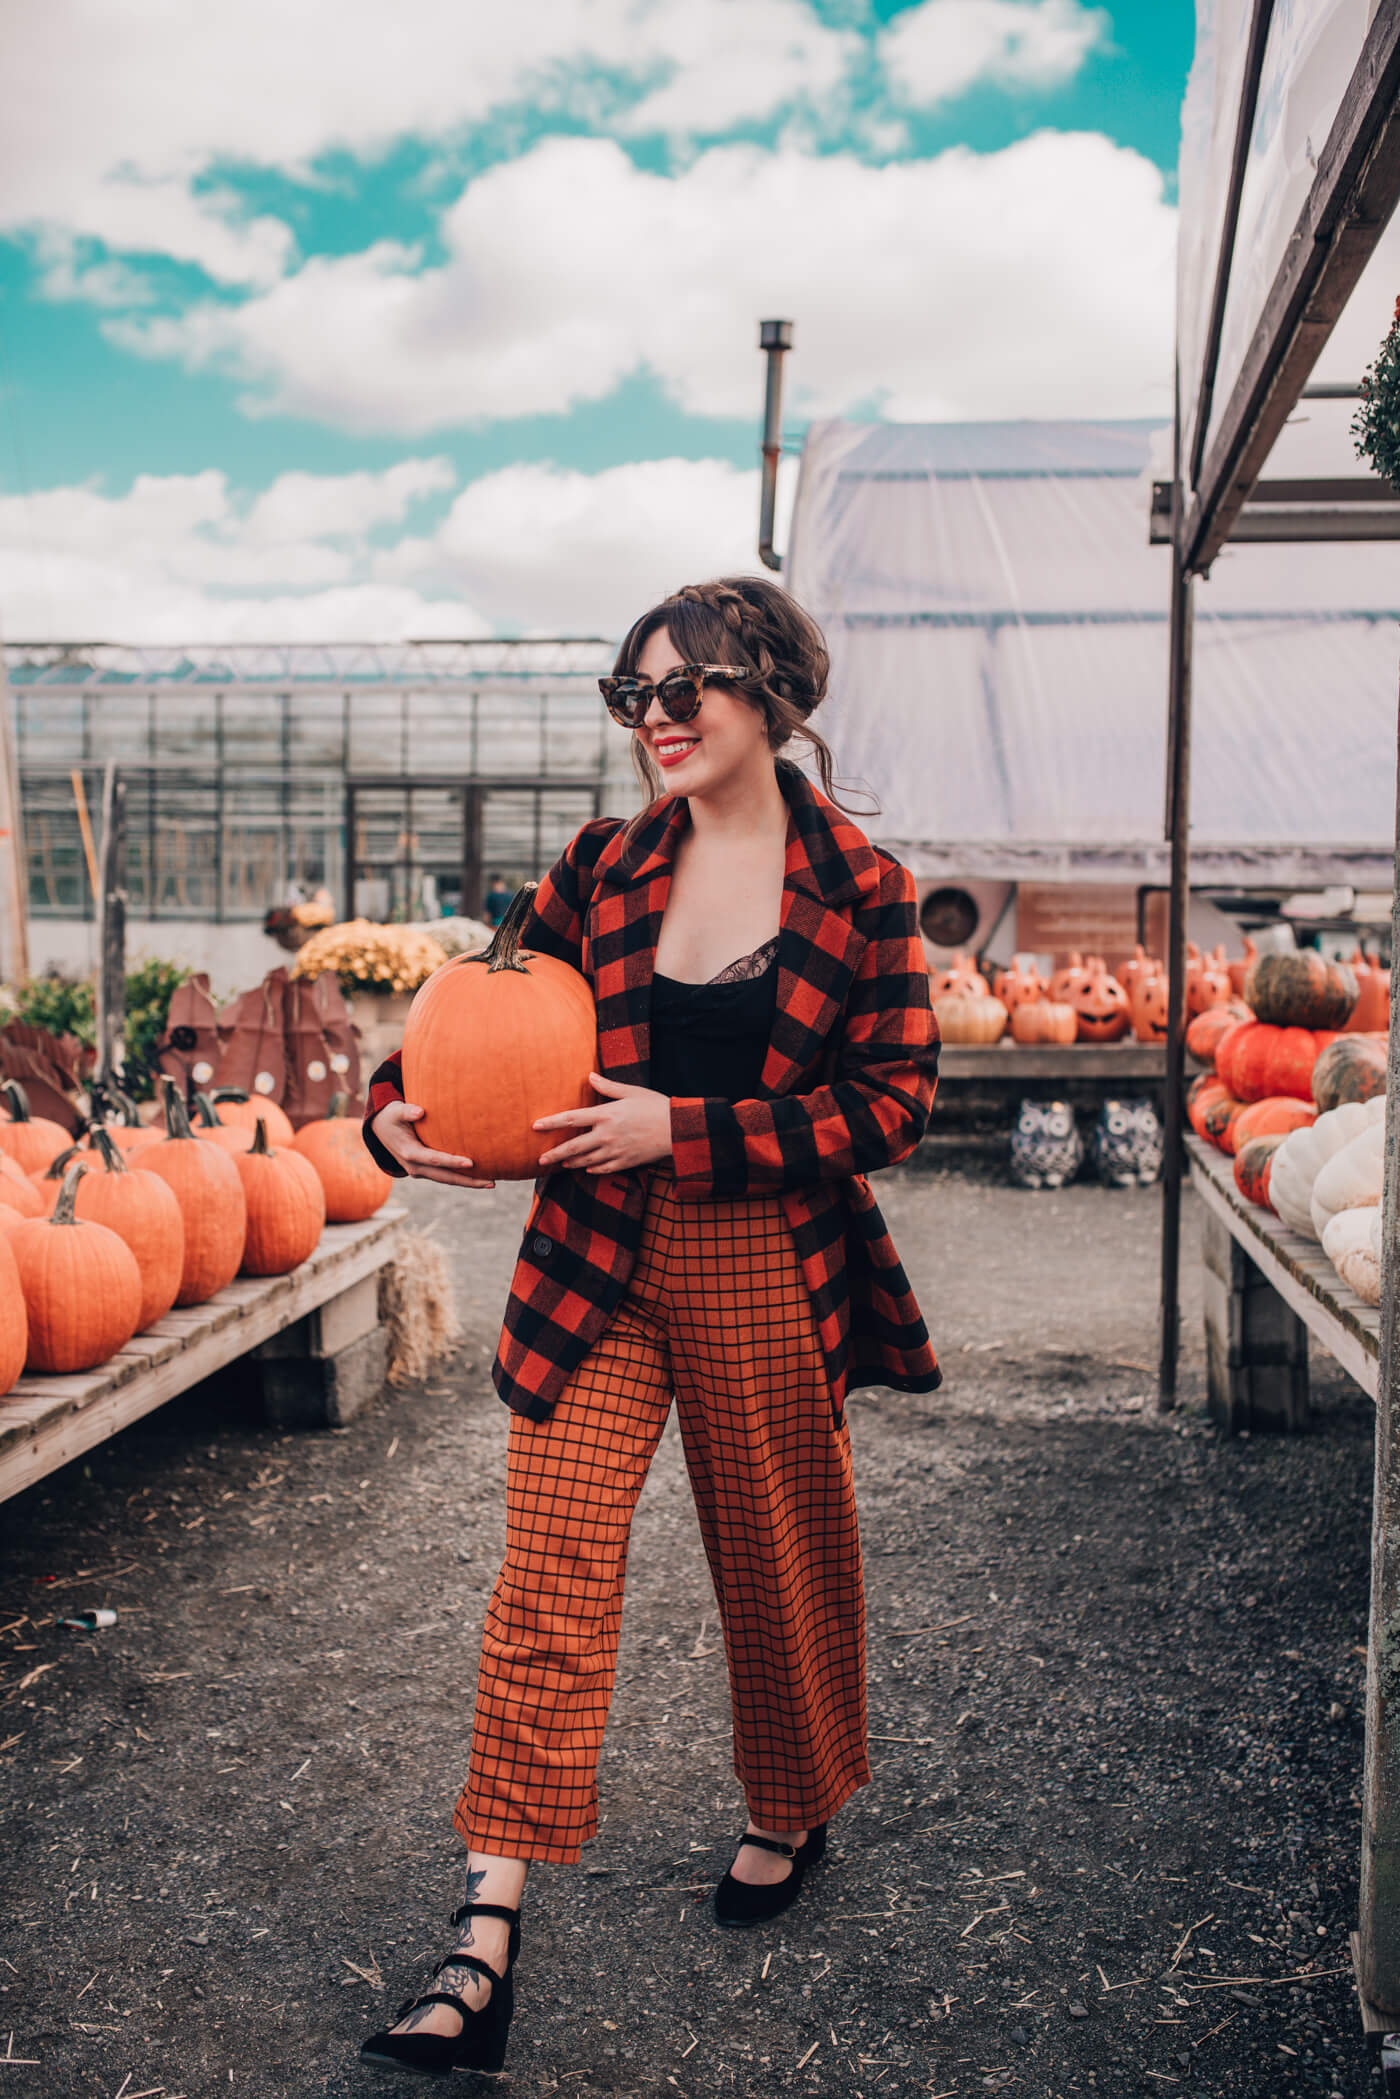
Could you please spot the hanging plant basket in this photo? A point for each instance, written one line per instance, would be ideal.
(1375, 427)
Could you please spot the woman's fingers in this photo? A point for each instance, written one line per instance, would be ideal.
(449, 1180)
(424, 1155)
(567, 1119)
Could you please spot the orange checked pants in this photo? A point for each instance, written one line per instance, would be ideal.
(717, 1312)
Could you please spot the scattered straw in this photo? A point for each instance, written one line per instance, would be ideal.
(415, 1304)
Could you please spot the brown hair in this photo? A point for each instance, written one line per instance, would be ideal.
(748, 620)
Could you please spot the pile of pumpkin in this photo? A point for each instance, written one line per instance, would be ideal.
(1081, 1002)
(1294, 1092)
(100, 1239)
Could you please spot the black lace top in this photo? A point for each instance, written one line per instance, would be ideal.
(711, 1039)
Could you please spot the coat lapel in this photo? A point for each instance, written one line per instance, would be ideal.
(829, 864)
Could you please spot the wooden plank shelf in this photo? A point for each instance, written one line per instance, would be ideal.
(1293, 1266)
(1123, 1061)
(45, 1421)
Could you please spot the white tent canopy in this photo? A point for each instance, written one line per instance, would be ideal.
(998, 628)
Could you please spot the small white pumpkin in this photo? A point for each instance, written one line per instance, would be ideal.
(967, 1016)
(1303, 1154)
(1351, 1179)
(1352, 1243)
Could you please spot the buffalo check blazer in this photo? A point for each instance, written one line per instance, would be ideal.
(847, 1085)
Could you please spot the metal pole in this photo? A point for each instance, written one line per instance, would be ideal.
(774, 338)
(1378, 1937)
(1179, 832)
(111, 931)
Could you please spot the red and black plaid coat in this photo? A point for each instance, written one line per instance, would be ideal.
(847, 1087)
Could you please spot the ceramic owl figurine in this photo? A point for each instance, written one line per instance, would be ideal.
(1046, 1147)
(1127, 1144)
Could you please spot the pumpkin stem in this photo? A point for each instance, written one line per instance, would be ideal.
(228, 1093)
(56, 1170)
(506, 940)
(177, 1122)
(204, 1109)
(18, 1100)
(339, 1104)
(63, 1211)
(259, 1144)
(102, 1143)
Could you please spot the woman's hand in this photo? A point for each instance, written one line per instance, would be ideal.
(631, 1127)
(393, 1126)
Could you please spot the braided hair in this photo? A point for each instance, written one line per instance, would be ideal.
(741, 619)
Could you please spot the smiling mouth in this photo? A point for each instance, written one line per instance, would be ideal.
(675, 749)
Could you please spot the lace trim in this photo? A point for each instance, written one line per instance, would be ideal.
(748, 966)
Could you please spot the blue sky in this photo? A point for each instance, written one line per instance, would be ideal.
(331, 321)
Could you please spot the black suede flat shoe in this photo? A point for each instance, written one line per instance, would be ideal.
(480, 2043)
(740, 1903)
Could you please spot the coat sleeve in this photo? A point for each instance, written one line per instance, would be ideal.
(875, 1107)
(554, 927)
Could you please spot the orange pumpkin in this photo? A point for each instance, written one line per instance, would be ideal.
(1349, 1068)
(81, 1285)
(1021, 985)
(1371, 1013)
(1100, 1004)
(354, 1187)
(32, 1141)
(1065, 981)
(229, 1136)
(494, 1041)
(140, 1208)
(1274, 1117)
(14, 1319)
(1047, 1020)
(1258, 1061)
(1218, 1120)
(286, 1207)
(17, 1191)
(1199, 1095)
(239, 1109)
(1254, 1158)
(1204, 1032)
(129, 1133)
(205, 1183)
(1151, 1006)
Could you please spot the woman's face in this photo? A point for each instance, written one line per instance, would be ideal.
(718, 746)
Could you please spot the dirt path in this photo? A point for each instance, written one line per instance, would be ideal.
(1116, 1680)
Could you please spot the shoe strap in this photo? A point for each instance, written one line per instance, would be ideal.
(486, 1909)
(769, 1844)
(466, 1960)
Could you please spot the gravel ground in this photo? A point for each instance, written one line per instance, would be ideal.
(1116, 1701)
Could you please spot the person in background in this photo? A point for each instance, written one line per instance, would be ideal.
(497, 899)
(706, 1232)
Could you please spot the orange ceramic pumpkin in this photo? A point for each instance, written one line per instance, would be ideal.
(286, 1208)
(1207, 980)
(140, 1208)
(241, 1110)
(1065, 981)
(1371, 1013)
(1240, 967)
(1151, 1006)
(961, 974)
(1021, 985)
(354, 1187)
(1100, 1004)
(82, 1288)
(14, 1320)
(207, 1188)
(1047, 1020)
(494, 1041)
(1138, 964)
(32, 1141)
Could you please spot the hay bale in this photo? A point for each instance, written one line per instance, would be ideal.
(416, 1307)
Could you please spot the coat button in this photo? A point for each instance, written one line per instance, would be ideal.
(541, 1246)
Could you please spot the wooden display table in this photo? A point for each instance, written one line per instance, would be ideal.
(1266, 1289)
(315, 1347)
(1124, 1062)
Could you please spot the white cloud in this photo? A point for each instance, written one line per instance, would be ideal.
(936, 52)
(113, 114)
(968, 285)
(183, 558)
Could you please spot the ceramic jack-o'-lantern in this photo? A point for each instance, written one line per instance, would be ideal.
(1065, 982)
(1021, 985)
(1151, 1007)
(1100, 1005)
(962, 976)
(1207, 982)
(1138, 962)
(1240, 967)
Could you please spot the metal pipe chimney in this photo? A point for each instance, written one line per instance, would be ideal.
(774, 337)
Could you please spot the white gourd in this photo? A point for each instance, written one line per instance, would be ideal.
(1351, 1243)
(1351, 1179)
(1303, 1154)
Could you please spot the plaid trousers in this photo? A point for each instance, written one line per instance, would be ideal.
(717, 1312)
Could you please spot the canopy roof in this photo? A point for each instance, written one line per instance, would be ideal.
(998, 629)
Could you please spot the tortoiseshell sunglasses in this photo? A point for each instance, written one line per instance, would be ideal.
(679, 691)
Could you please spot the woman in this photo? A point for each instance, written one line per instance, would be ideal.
(764, 1038)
